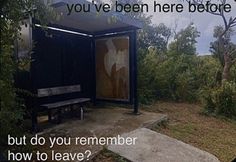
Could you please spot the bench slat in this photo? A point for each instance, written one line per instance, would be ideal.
(66, 103)
(45, 92)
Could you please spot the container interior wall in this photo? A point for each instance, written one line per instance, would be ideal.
(62, 59)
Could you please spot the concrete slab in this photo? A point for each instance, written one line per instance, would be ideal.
(155, 147)
(100, 122)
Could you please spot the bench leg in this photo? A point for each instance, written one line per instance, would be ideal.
(49, 115)
(59, 116)
(72, 111)
(34, 121)
(81, 113)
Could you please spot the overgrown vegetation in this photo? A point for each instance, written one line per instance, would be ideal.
(12, 106)
(174, 70)
(177, 74)
(222, 100)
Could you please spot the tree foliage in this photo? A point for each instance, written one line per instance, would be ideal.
(218, 50)
(178, 78)
(12, 15)
(172, 74)
(185, 41)
(154, 36)
(224, 48)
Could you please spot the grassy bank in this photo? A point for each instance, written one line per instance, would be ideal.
(187, 123)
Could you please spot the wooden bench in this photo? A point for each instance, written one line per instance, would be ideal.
(57, 91)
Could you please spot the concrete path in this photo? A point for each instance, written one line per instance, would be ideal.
(155, 147)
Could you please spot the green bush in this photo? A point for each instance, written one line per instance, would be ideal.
(209, 101)
(222, 100)
(233, 73)
(177, 78)
(226, 100)
(177, 73)
(147, 85)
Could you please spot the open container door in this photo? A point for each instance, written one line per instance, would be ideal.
(113, 49)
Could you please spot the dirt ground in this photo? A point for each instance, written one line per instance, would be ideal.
(108, 156)
(188, 124)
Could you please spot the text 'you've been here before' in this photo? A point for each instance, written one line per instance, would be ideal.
(152, 7)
